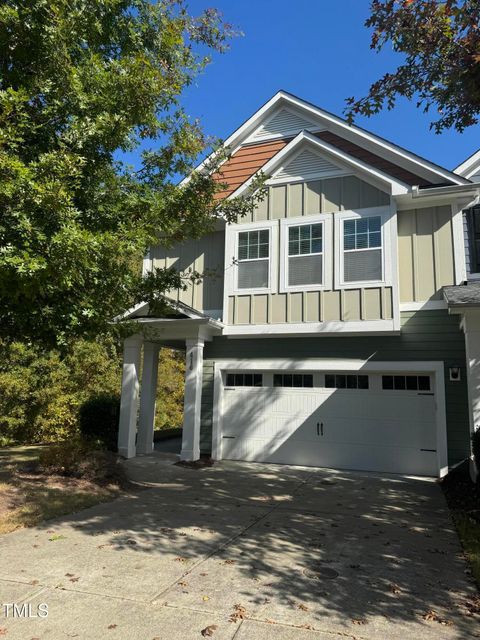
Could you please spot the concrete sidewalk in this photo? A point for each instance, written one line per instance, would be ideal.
(256, 551)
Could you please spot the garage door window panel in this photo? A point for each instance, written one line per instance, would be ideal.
(406, 383)
(293, 380)
(346, 381)
(244, 380)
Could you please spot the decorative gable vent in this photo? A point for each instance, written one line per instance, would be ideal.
(282, 122)
(308, 163)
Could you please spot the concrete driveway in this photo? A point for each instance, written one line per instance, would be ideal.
(246, 551)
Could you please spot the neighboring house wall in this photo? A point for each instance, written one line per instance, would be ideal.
(425, 248)
(425, 335)
(204, 255)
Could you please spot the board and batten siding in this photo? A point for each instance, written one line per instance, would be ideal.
(203, 255)
(328, 195)
(311, 306)
(425, 253)
(425, 335)
(317, 196)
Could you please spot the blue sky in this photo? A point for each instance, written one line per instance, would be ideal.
(318, 50)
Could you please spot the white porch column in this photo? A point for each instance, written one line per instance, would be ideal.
(148, 392)
(193, 400)
(129, 401)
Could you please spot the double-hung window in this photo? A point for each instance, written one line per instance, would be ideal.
(362, 249)
(253, 259)
(305, 255)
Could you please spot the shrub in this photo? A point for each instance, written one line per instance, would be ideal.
(476, 447)
(98, 420)
(79, 459)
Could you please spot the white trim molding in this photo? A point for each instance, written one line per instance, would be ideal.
(312, 328)
(427, 305)
(231, 258)
(388, 246)
(436, 368)
(327, 248)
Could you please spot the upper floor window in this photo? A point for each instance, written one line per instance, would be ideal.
(253, 259)
(473, 217)
(362, 249)
(305, 254)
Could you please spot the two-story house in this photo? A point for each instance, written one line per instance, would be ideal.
(322, 336)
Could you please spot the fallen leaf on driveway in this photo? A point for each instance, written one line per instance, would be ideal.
(112, 626)
(56, 536)
(239, 613)
(180, 559)
(359, 621)
(228, 562)
(432, 616)
(209, 631)
(394, 588)
(182, 583)
(205, 598)
(303, 607)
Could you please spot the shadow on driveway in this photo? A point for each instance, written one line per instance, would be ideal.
(366, 555)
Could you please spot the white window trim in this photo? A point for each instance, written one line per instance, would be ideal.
(388, 247)
(326, 221)
(231, 250)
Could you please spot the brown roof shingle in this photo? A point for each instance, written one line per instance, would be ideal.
(372, 159)
(245, 163)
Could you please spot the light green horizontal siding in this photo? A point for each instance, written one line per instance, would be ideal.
(425, 335)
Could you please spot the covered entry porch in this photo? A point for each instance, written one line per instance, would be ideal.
(181, 328)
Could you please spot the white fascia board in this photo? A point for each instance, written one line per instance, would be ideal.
(130, 312)
(394, 186)
(470, 166)
(316, 329)
(437, 196)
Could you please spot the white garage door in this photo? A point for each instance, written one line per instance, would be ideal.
(375, 422)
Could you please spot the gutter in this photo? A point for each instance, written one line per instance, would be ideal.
(473, 188)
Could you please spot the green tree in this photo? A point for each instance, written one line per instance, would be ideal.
(81, 81)
(41, 391)
(440, 42)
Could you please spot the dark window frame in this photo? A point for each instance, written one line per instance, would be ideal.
(473, 227)
(406, 382)
(280, 380)
(244, 379)
(349, 381)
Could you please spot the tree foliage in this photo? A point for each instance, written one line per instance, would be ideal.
(440, 42)
(41, 391)
(81, 81)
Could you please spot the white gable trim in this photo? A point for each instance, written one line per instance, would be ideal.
(290, 122)
(394, 187)
(470, 167)
(328, 120)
